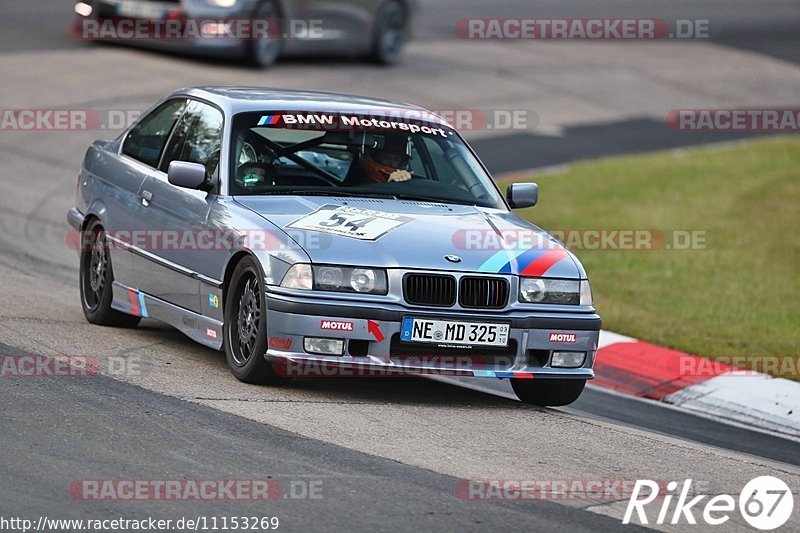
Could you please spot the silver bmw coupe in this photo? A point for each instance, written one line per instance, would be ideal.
(313, 234)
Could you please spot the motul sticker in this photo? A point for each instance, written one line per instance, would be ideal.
(210, 333)
(563, 337)
(336, 325)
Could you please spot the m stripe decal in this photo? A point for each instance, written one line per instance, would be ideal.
(134, 303)
(542, 264)
(142, 304)
(269, 120)
(138, 305)
(500, 260)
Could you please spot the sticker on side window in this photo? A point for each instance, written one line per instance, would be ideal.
(362, 224)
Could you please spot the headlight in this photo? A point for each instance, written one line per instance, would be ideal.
(555, 291)
(328, 278)
(222, 3)
(83, 9)
(336, 279)
(363, 279)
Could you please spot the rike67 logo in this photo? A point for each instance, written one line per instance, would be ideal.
(766, 503)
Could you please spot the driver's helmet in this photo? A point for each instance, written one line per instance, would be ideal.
(380, 163)
(250, 175)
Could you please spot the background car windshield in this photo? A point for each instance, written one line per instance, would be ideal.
(395, 162)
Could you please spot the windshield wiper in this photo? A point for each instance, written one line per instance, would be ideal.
(338, 191)
(431, 199)
(334, 191)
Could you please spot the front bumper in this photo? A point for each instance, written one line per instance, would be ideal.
(75, 218)
(373, 346)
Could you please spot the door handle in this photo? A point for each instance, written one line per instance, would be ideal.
(147, 197)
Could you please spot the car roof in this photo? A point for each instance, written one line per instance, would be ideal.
(234, 100)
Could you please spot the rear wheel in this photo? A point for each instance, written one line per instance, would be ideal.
(391, 33)
(550, 392)
(96, 277)
(245, 328)
(264, 52)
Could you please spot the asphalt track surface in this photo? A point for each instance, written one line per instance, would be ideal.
(389, 453)
(155, 437)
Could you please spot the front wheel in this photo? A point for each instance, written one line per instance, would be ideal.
(96, 277)
(262, 53)
(245, 328)
(391, 33)
(550, 392)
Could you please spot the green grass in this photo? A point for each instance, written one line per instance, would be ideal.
(738, 297)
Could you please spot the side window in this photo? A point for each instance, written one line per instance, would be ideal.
(146, 140)
(197, 138)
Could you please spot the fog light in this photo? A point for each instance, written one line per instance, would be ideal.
(568, 359)
(323, 346)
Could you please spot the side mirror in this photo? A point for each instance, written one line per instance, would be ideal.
(521, 195)
(187, 175)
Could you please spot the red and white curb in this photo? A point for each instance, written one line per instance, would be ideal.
(695, 384)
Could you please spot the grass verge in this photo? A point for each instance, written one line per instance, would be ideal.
(739, 294)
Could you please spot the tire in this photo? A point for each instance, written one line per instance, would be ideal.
(245, 328)
(96, 277)
(391, 33)
(550, 392)
(263, 53)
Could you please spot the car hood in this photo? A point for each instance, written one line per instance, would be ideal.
(415, 235)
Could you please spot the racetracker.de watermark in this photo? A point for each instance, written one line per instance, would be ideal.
(58, 366)
(412, 366)
(199, 240)
(738, 365)
(42, 119)
(195, 29)
(583, 29)
(600, 239)
(196, 489)
(600, 489)
(734, 119)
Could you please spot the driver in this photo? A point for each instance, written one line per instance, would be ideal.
(387, 164)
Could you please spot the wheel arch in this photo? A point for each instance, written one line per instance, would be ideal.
(95, 211)
(230, 268)
(88, 219)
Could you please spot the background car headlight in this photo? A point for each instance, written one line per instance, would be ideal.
(222, 3)
(554, 291)
(336, 278)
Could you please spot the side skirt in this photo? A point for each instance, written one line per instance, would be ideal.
(199, 328)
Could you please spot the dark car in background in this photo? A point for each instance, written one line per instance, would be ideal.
(376, 30)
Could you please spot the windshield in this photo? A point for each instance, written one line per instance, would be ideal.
(355, 155)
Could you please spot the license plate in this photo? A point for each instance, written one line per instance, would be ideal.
(450, 332)
(138, 9)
